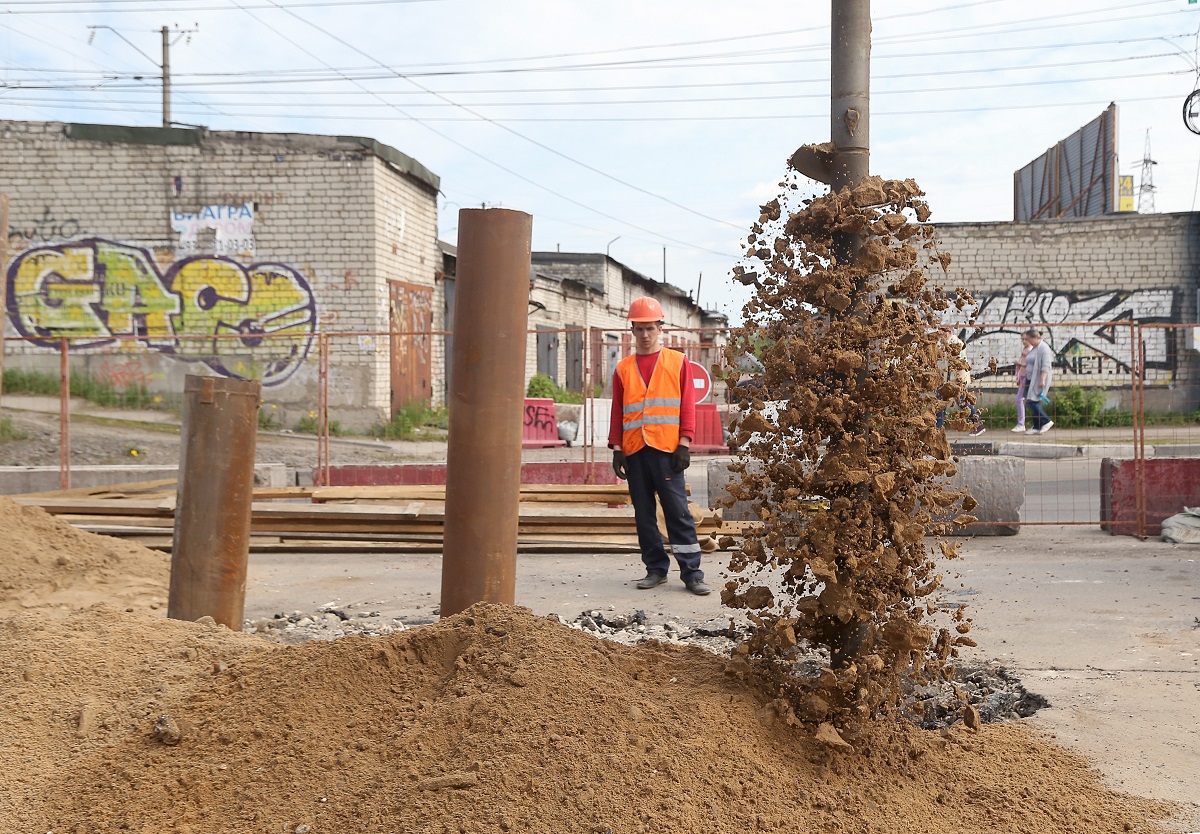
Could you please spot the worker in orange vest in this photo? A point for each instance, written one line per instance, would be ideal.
(653, 423)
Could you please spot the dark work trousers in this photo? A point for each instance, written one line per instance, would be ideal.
(649, 472)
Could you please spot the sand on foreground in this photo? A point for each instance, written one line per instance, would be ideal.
(118, 719)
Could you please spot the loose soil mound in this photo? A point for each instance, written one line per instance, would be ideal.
(490, 720)
(48, 565)
(117, 719)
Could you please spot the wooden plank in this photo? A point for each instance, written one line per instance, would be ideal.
(131, 488)
(82, 506)
(273, 493)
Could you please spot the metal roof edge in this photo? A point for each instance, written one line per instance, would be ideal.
(128, 135)
(405, 163)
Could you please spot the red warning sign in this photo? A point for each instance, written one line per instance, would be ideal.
(702, 381)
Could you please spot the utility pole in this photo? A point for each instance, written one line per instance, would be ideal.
(1146, 187)
(165, 66)
(166, 75)
(843, 161)
(849, 91)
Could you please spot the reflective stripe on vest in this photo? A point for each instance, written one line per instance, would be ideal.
(650, 413)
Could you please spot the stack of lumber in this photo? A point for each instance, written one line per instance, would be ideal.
(552, 517)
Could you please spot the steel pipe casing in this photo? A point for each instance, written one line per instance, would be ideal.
(849, 91)
(486, 399)
(212, 506)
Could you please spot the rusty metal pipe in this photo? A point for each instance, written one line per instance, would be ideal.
(212, 508)
(64, 413)
(483, 467)
(3, 276)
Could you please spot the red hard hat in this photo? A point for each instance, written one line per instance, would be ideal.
(645, 309)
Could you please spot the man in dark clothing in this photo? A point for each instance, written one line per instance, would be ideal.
(653, 423)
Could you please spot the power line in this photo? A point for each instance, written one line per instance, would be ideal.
(508, 170)
(875, 57)
(258, 105)
(316, 117)
(529, 139)
(41, 10)
(397, 74)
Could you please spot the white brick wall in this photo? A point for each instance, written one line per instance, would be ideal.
(343, 219)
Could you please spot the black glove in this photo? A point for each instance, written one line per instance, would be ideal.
(681, 459)
(619, 463)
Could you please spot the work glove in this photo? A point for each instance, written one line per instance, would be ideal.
(619, 463)
(681, 459)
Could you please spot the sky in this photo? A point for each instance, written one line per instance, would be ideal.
(648, 129)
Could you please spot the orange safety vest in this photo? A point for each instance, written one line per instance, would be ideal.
(650, 414)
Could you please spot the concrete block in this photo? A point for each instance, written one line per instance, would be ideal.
(719, 478)
(15, 480)
(1040, 450)
(1172, 450)
(962, 448)
(997, 483)
(1110, 450)
(1167, 485)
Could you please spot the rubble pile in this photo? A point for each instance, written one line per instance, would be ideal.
(842, 458)
(329, 622)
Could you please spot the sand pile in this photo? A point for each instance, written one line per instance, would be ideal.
(121, 720)
(490, 720)
(47, 565)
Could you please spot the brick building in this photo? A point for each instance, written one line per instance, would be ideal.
(163, 251)
(577, 298)
(1078, 274)
(157, 252)
(593, 292)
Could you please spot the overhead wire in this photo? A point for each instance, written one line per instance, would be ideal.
(358, 105)
(67, 84)
(655, 62)
(875, 57)
(509, 170)
(732, 118)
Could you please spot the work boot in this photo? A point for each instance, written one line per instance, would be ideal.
(651, 580)
(697, 587)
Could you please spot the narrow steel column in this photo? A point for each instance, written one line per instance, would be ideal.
(483, 469)
(849, 91)
(3, 278)
(166, 76)
(212, 507)
(849, 130)
(64, 413)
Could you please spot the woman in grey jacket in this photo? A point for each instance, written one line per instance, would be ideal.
(1038, 374)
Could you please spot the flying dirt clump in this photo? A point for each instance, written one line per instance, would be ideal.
(840, 451)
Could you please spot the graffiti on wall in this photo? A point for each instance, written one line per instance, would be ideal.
(46, 228)
(94, 291)
(1087, 347)
(232, 229)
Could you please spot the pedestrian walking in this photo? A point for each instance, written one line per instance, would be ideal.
(1021, 383)
(1039, 374)
(653, 423)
